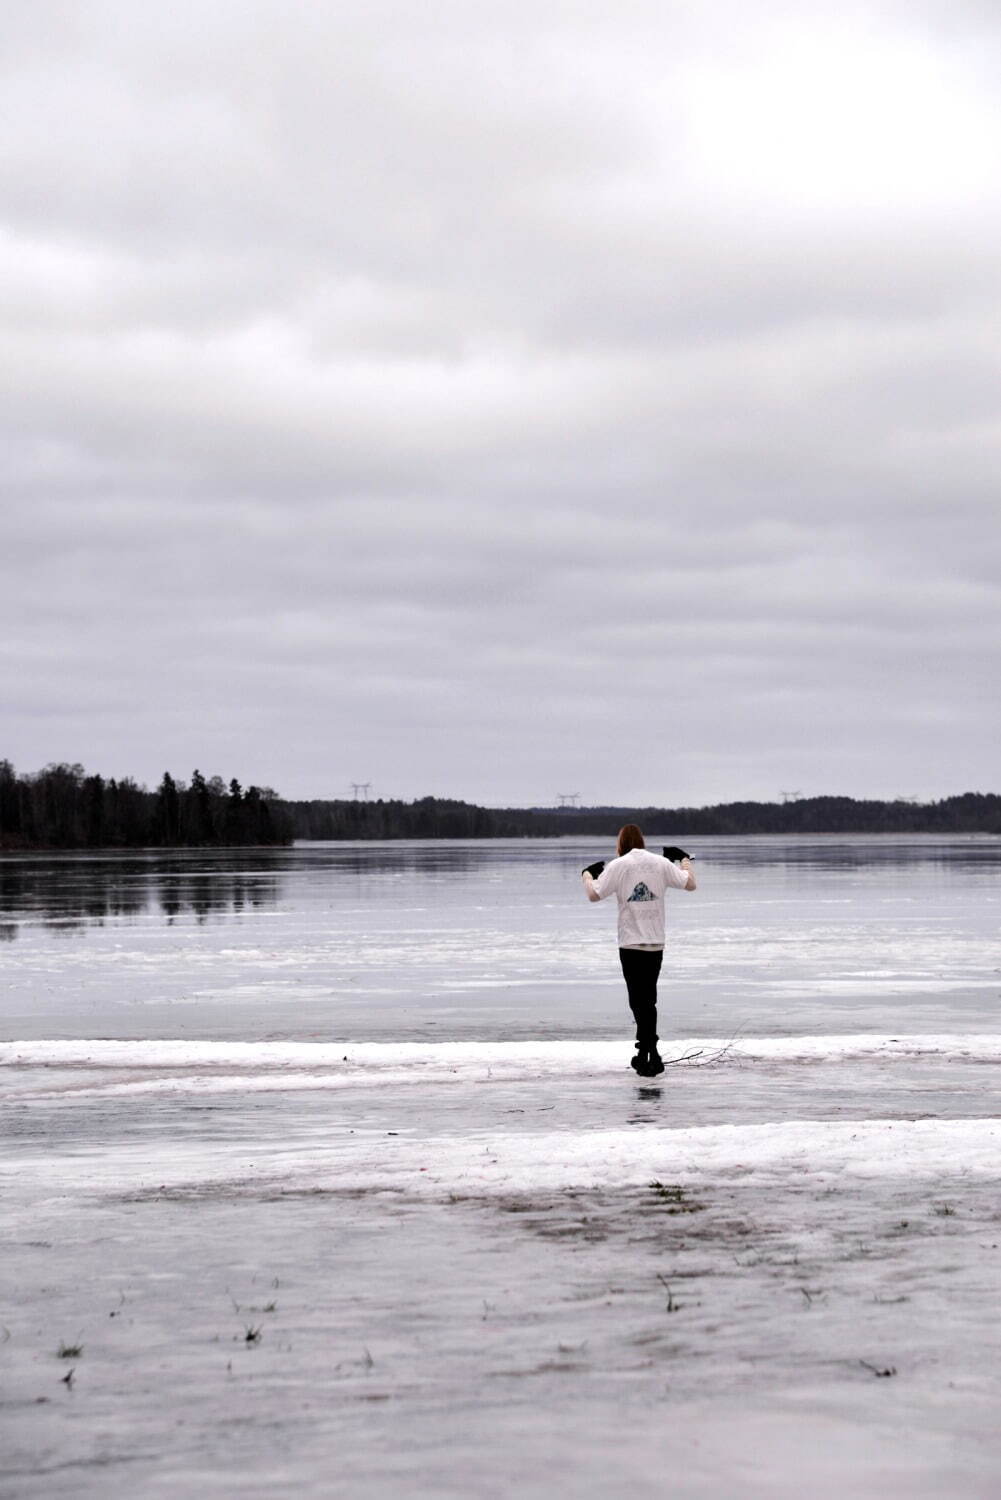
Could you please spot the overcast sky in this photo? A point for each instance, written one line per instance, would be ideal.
(503, 400)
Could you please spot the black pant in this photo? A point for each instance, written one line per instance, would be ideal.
(640, 970)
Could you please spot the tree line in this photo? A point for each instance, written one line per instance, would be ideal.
(969, 812)
(61, 807)
(432, 817)
(426, 818)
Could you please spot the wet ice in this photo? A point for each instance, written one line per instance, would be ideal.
(473, 1252)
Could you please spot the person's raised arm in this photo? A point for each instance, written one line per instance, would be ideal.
(588, 879)
(686, 865)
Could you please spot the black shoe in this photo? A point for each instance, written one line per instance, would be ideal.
(654, 1063)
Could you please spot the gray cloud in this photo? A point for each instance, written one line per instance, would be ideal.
(483, 402)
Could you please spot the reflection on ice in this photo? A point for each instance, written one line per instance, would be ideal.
(69, 897)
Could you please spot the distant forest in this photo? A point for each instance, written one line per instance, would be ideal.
(62, 807)
(431, 817)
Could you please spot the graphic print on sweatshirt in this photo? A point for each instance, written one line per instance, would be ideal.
(642, 892)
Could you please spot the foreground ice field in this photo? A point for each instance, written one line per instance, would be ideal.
(501, 1269)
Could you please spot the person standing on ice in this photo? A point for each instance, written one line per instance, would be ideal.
(638, 880)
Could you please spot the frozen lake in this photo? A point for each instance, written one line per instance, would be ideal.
(323, 1173)
(494, 940)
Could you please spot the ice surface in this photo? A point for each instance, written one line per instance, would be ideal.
(494, 941)
(485, 1269)
(435, 1239)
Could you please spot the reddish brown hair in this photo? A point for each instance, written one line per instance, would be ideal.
(630, 837)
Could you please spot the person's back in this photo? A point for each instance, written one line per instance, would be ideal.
(638, 881)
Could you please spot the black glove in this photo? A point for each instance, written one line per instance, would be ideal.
(672, 852)
(594, 870)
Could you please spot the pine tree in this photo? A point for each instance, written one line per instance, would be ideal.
(167, 822)
(202, 823)
(93, 791)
